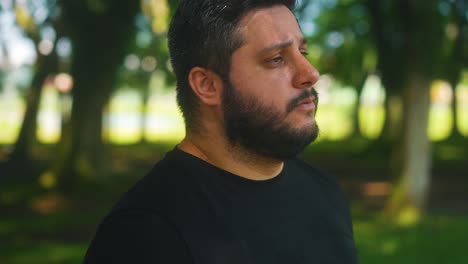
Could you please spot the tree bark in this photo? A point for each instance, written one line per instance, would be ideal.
(100, 36)
(412, 187)
(408, 57)
(459, 51)
(20, 160)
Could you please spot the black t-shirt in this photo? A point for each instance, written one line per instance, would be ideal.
(189, 211)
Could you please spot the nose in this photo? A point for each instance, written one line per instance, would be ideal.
(305, 74)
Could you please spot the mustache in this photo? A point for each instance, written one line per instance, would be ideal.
(305, 94)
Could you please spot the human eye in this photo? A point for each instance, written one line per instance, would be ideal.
(275, 61)
(304, 52)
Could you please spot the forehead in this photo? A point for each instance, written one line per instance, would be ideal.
(268, 25)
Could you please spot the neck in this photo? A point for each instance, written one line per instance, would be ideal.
(215, 149)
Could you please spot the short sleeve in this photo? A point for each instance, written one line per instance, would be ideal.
(137, 237)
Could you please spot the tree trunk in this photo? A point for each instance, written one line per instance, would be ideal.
(386, 145)
(100, 38)
(411, 189)
(21, 149)
(454, 71)
(20, 160)
(408, 57)
(455, 135)
(81, 149)
(389, 140)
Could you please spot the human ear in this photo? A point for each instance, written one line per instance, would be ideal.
(206, 84)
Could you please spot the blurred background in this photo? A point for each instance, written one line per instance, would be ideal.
(87, 106)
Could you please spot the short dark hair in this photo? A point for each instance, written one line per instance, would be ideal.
(204, 33)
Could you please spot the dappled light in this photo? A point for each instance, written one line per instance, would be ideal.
(45, 47)
(123, 118)
(441, 121)
(48, 180)
(371, 107)
(49, 117)
(132, 62)
(125, 123)
(462, 106)
(129, 120)
(163, 120)
(63, 82)
(149, 63)
(159, 12)
(334, 114)
(408, 216)
(11, 111)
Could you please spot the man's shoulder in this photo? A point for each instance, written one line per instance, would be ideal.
(141, 227)
(134, 236)
(165, 185)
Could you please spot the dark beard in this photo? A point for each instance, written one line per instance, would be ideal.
(261, 129)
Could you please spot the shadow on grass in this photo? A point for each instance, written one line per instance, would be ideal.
(63, 237)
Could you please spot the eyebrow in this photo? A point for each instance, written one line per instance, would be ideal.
(281, 45)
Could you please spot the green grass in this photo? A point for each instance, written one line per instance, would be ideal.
(46, 252)
(55, 238)
(437, 239)
(63, 238)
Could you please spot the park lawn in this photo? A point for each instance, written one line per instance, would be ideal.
(63, 238)
(50, 238)
(436, 239)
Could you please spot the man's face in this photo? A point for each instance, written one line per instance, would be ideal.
(269, 102)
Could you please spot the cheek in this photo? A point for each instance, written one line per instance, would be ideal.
(276, 86)
(263, 83)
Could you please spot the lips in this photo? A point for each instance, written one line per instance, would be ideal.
(306, 104)
(307, 100)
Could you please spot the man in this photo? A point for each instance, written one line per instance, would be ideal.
(232, 191)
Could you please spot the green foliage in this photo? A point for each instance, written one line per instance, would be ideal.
(355, 37)
(341, 38)
(98, 6)
(173, 4)
(409, 36)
